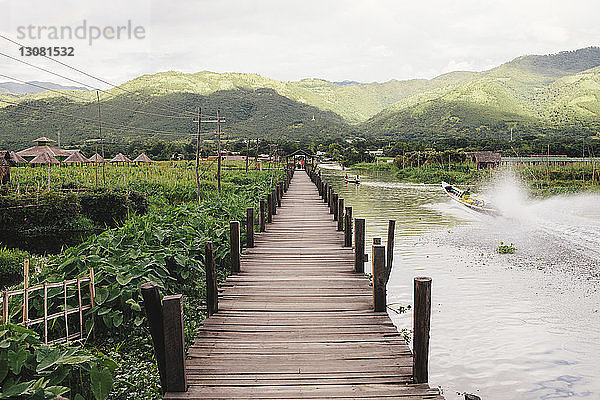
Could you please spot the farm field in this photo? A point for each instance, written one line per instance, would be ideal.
(160, 242)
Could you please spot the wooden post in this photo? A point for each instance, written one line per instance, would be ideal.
(250, 227)
(334, 206)
(26, 295)
(340, 214)
(234, 242)
(325, 193)
(331, 202)
(348, 227)
(390, 243)
(261, 218)
(5, 307)
(359, 245)
(174, 334)
(46, 312)
(274, 201)
(421, 324)
(269, 208)
(279, 194)
(379, 281)
(80, 310)
(154, 314)
(212, 292)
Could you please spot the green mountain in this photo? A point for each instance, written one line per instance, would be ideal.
(528, 91)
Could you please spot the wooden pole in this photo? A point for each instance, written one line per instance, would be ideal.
(274, 201)
(261, 218)
(421, 324)
(212, 293)
(359, 245)
(80, 310)
(340, 216)
(234, 241)
(198, 155)
(247, 153)
(279, 194)
(154, 313)
(174, 334)
(26, 294)
(379, 281)
(250, 227)
(5, 307)
(219, 151)
(390, 243)
(269, 208)
(45, 312)
(325, 193)
(334, 206)
(348, 227)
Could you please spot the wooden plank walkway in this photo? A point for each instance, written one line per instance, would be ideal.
(297, 322)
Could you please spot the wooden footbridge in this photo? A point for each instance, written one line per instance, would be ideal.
(295, 319)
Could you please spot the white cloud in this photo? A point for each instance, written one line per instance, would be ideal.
(358, 40)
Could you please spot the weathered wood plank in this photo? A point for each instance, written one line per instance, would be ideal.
(297, 321)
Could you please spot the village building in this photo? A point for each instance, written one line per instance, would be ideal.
(45, 145)
(484, 159)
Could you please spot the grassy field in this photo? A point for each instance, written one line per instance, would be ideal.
(163, 245)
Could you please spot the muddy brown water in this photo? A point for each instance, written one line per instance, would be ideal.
(504, 326)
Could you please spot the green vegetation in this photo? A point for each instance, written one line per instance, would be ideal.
(164, 245)
(11, 266)
(506, 248)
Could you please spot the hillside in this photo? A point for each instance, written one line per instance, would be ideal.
(248, 113)
(530, 90)
(23, 88)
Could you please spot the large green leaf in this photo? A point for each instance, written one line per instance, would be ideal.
(101, 383)
(16, 360)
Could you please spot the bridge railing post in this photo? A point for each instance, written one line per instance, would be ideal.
(331, 200)
(274, 202)
(348, 227)
(334, 206)
(174, 343)
(269, 208)
(340, 214)
(359, 245)
(325, 193)
(250, 227)
(166, 325)
(212, 291)
(262, 217)
(421, 325)
(379, 276)
(279, 194)
(234, 241)
(390, 243)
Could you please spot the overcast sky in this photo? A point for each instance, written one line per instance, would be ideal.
(361, 40)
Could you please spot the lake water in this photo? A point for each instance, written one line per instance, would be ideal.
(503, 326)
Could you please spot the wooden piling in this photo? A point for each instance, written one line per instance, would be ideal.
(421, 324)
(154, 314)
(348, 227)
(340, 214)
(250, 227)
(390, 243)
(359, 245)
(334, 207)
(325, 193)
(262, 216)
(212, 291)
(379, 280)
(234, 241)
(174, 343)
(269, 208)
(274, 202)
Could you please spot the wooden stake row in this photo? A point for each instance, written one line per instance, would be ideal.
(382, 260)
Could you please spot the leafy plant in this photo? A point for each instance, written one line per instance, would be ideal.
(506, 249)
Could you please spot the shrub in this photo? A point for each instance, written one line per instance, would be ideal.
(11, 266)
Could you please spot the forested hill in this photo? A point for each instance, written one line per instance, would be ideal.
(532, 94)
(558, 93)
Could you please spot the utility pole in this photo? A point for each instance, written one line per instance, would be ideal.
(101, 140)
(219, 151)
(256, 157)
(247, 152)
(198, 155)
(58, 138)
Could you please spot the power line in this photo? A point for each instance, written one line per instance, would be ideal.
(65, 94)
(93, 77)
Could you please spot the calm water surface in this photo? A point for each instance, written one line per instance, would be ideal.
(518, 326)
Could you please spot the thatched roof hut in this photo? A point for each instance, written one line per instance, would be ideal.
(76, 158)
(143, 159)
(96, 158)
(44, 159)
(17, 159)
(43, 145)
(5, 163)
(120, 158)
(485, 159)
